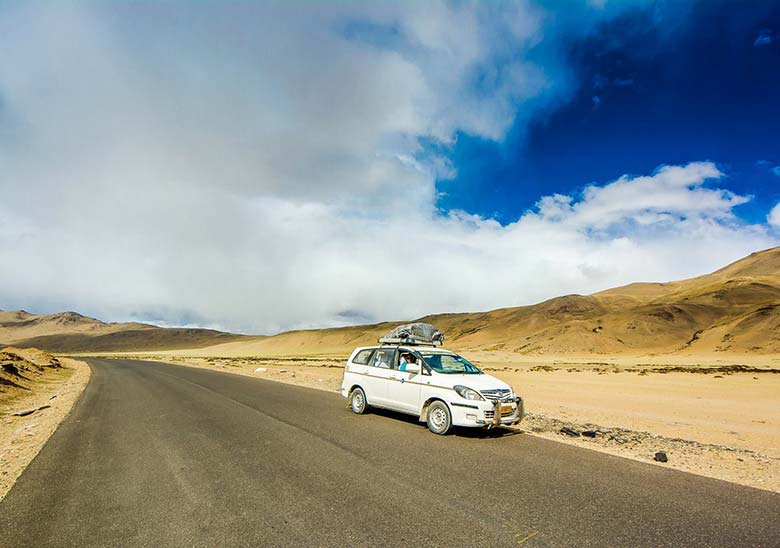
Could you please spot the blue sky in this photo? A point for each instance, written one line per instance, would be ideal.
(646, 92)
(262, 166)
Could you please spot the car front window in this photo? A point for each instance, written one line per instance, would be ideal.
(450, 363)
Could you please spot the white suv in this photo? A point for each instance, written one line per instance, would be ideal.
(436, 385)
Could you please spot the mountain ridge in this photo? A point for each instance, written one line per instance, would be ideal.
(73, 332)
(691, 315)
(735, 309)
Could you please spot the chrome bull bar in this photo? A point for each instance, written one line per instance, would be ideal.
(517, 416)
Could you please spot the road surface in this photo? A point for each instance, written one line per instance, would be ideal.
(162, 455)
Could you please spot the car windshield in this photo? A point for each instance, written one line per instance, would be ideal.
(449, 363)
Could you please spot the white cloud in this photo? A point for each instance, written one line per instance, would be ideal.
(774, 216)
(672, 193)
(259, 166)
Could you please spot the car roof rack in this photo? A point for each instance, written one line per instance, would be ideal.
(414, 334)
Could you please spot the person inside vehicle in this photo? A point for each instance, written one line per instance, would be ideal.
(406, 359)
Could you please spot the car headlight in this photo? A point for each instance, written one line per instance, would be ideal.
(467, 393)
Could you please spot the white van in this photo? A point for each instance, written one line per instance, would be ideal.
(436, 385)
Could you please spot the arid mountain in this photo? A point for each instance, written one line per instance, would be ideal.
(72, 332)
(734, 310)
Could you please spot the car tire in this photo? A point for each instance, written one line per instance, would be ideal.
(357, 401)
(439, 418)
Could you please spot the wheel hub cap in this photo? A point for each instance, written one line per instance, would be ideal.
(438, 418)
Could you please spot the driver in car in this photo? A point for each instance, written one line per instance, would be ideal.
(406, 359)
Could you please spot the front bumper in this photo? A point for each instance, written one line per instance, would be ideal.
(489, 413)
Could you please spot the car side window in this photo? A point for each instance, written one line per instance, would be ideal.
(409, 357)
(363, 357)
(384, 358)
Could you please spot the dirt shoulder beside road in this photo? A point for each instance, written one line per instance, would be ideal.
(36, 393)
(722, 425)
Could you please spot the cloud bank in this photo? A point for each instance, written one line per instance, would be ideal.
(261, 167)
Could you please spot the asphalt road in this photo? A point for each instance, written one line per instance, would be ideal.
(161, 455)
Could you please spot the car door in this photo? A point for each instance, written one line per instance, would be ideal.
(404, 390)
(379, 376)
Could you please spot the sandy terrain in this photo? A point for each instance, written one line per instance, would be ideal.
(721, 425)
(740, 410)
(22, 437)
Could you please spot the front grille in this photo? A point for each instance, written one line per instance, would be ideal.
(497, 394)
(489, 414)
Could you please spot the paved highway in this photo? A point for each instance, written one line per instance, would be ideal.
(162, 455)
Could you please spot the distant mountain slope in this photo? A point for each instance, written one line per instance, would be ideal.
(72, 332)
(733, 310)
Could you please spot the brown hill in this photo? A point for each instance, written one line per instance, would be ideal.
(72, 332)
(733, 310)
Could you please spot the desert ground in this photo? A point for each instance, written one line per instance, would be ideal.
(37, 391)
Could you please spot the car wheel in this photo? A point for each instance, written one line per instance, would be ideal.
(439, 418)
(357, 401)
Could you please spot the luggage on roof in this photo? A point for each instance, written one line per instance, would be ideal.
(414, 334)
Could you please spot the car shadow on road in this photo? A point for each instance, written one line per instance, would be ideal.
(484, 433)
(458, 431)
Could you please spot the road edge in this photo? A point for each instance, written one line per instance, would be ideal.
(28, 435)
